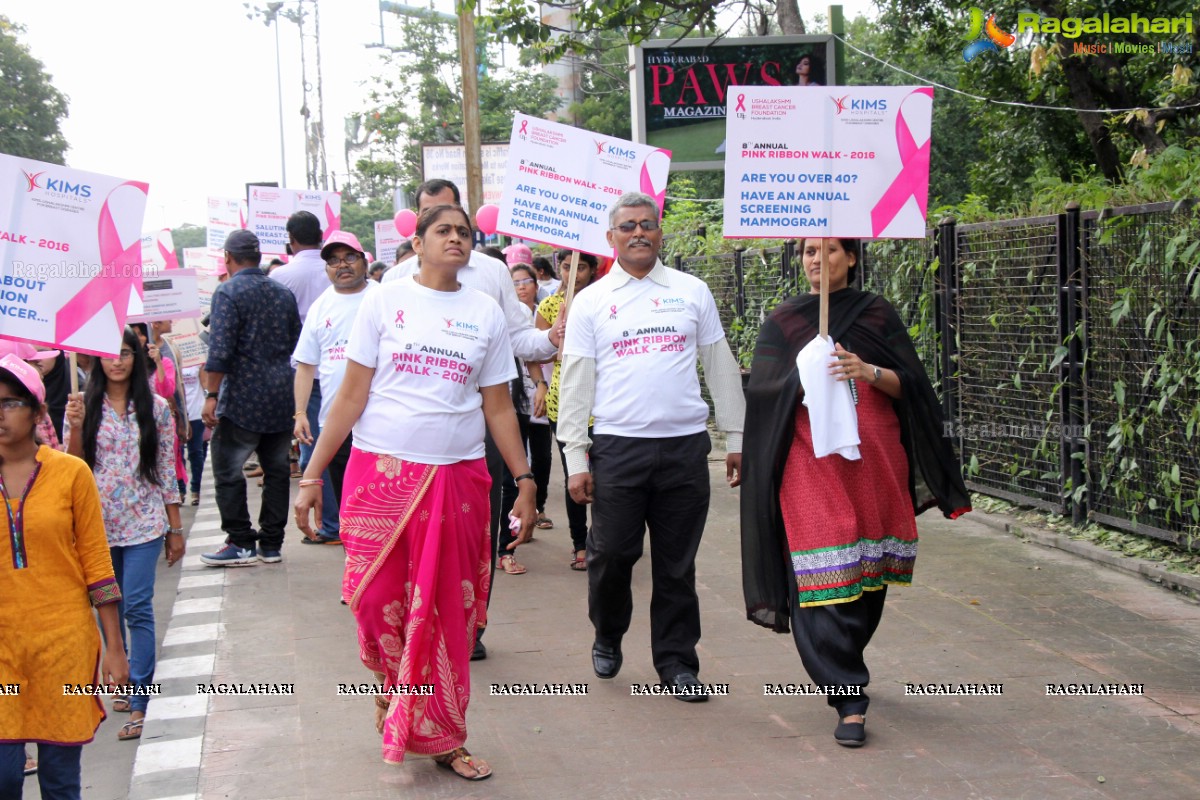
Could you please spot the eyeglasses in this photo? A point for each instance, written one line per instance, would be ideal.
(125, 355)
(13, 403)
(519, 282)
(350, 259)
(630, 227)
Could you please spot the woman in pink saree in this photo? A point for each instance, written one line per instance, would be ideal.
(428, 364)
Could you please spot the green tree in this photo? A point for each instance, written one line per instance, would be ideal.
(188, 235)
(31, 109)
(359, 215)
(418, 100)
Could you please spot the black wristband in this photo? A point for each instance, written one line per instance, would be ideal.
(526, 476)
(541, 383)
(212, 395)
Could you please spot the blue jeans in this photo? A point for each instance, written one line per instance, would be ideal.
(58, 771)
(197, 451)
(134, 568)
(331, 524)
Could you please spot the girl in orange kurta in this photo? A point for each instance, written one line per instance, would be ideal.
(54, 568)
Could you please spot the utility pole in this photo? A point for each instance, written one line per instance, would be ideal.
(470, 95)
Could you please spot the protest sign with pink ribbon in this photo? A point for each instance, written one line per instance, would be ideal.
(824, 161)
(387, 239)
(270, 208)
(71, 254)
(560, 182)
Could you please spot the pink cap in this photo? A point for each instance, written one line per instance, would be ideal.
(341, 237)
(518, 254)
(27, 375)
(25, 351)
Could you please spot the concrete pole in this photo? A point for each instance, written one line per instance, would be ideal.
(470, 96)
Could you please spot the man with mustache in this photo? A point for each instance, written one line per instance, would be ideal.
(321, 359)
(629, 360)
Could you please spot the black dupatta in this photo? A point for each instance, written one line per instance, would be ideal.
(864, 324)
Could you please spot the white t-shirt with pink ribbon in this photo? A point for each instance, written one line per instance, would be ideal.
(431, 352)
(644, 335)
(324, 336)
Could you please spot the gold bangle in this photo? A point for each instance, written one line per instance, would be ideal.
(299, 414)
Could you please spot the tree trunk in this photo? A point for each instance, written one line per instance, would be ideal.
(788, 14)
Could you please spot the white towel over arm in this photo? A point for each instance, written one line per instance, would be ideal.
(831, 412)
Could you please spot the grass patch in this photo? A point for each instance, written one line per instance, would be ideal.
(696, 142)
(1147, 548)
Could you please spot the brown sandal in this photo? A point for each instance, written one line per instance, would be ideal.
(131, 730)
(447, 760)
(509, 564)
(579, 564)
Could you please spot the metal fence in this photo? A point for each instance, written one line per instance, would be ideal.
(1066, 350)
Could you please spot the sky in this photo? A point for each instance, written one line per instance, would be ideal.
(183, 95)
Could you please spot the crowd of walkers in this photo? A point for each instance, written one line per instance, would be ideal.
(425, 399)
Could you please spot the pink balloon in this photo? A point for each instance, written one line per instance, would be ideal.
(406, 222)
(487, 217)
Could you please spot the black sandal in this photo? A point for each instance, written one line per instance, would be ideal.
(446, 760)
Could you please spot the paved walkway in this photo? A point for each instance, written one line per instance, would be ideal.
(986, 608)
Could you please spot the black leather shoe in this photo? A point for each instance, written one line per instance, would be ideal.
(851, 734)
(606, 660)
(480, 652)
(686, 687)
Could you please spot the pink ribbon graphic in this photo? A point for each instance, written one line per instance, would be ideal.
(741, 103)
(116, 281)
(646, 182)
(328, 322)
(332, 221)
(613, 310)
(524, 126)
(913, 180)
(400, 317)
(170, 260)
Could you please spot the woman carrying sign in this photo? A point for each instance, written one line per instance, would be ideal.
(823, 537)
(428, 364)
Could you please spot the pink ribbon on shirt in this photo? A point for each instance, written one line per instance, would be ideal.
(913, 180)
(119, 277)
(400, 317)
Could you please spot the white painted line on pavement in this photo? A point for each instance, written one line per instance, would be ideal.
(198, 605)
(205, 542)
(190, 634)
(180, 797)
(188, 705)
(193, 562)
(214, 577)
(171, 754)
(187, 667)
(206, 525)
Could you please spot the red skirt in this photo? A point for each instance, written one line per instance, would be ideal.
(850, 524)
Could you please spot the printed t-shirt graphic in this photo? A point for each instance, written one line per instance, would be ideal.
(644, 338)
(431, 351)
(324, 336)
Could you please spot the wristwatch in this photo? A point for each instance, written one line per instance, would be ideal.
(528, 476)
(212, 395)
(878, 374)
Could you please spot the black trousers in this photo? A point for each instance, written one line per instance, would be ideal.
(337, 469)
(576, 513)
(663, 485)
(231, 446)
(831, 640)
(508, 493)
(496, 469)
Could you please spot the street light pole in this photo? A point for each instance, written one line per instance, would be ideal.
(279, 91)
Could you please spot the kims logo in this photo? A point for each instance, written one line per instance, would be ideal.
(985, 36)
(603, 148)
(860, 104)
(58, 185)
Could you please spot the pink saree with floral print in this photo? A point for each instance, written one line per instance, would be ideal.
(417, 580)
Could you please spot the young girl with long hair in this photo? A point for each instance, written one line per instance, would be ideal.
(126, 434)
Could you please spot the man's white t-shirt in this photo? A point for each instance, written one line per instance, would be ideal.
(431, 351)
(643, 336)
(323, 339)
(192, 393)
(305, 275)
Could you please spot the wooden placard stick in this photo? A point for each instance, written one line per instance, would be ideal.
(562, 312)
(823, 326)
(74, 371)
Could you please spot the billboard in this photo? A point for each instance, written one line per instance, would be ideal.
(449, 162)
(680, 87)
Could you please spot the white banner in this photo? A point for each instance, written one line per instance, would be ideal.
(449, 162)
(71, 254)
(225, 215)
(205, 264)
(169, 295)
(185, 335)
(562, 180)
(270, 208)
(850, 161)
(387, 239)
